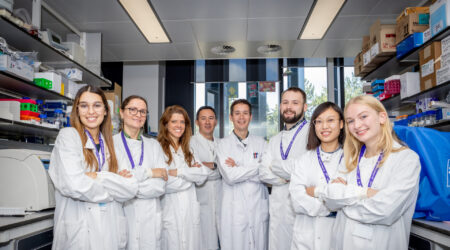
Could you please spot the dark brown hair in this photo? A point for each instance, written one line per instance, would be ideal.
(240, 101)
(164, 137)
(203, 108)
(296, 89)
(313, 140)
(105, 129)
(125, 103)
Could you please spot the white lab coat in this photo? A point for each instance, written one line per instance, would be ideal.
(312, 227)
(181, 210)
(88, 213)
(245, 206)
(209, 193)
(275, 171)
(143, 213)
(384, 220)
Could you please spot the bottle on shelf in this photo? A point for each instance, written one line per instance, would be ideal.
(59, 118)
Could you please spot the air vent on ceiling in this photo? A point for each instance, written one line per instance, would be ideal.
(268, 49)
(223, 50)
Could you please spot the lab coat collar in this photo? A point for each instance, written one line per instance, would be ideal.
(90, 145)
(293, 127)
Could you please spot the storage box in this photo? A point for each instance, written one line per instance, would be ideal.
(443, 75)
(426, 35)
(410, 24)
(73, 74)
(429, 65)
(384, 36)
(439, 16)
(76, 51)
(412, 10)
(115, 96)
(445, 45)
(365, 43)
(10, 110)
(392, 85)
(413, 41)
(52, 76)
(73, 88)
(409, 84)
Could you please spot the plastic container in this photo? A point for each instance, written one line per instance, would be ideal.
(43, 118)
(59, 119)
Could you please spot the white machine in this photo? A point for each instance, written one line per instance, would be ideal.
(24, 181)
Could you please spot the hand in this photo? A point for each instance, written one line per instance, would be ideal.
(173, 172)
(209, 165)
(125, 173)
(93, 175)
(310, 190)
(196, 165)
(230, 162)
(160, 173)
(371, 192)
(339, 180)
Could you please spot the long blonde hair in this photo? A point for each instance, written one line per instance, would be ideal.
(352, 146)
(105, 129)
(164, 137)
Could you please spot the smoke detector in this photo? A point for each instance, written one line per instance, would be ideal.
(223, 50)
(268, 49)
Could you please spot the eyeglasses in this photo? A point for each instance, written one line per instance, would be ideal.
(97, 107)
(134, 111)
(331, 122)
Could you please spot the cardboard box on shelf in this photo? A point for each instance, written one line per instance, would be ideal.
(443, 75)
(410, 24)
(409, 84)
(429, 64)
(412, 10)
(445, 45)
(426, 35)
(365, 43)
(439, 16)
(384, 36)
(115, 96)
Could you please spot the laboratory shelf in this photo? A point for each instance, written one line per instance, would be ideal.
(20, 39)
(8, 127)
(441, 126)
(396, 66)
(439, 91)
(20, 87)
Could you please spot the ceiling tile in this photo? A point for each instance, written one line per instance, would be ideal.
(188, 51)
(274, 29)
(220, 30)
(179, 31)
(138, 52)
(343, 26)
(393, 7)
(358, 7)
(279, 8)
(304, 48)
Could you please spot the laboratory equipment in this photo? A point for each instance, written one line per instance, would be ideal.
(24, 180)
(53, 39)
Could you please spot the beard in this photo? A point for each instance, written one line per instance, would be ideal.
(293, 119)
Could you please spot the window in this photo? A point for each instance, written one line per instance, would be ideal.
(352, 84)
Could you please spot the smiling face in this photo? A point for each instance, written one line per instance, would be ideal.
(176, 126)
(137, 120)
(91, 110)
(206, 122)
(328, 126)
(292, 107)
(364, 123)
(241, 117)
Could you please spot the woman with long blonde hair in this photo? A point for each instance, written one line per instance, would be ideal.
(378, 188)
(89, 189)
(181, 209)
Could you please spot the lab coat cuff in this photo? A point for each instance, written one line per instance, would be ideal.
(149, 173)
(180, 172)
(318, 190)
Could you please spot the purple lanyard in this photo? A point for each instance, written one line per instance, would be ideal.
(102, 148)
(284, 156)
(374, 171)
(322, 166)
(129, 153)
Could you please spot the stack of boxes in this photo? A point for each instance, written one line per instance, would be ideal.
(377, 87)
(28, 109)
(429, 59)
(443, 74)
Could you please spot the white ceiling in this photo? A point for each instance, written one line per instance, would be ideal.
(195, 26)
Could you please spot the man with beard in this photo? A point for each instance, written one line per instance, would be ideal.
(275, 168)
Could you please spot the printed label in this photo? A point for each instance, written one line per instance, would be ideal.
(427, 68)
(426, 35)
(438, 27)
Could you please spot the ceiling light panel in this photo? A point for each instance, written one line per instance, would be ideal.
(144, 16)
(320, 18)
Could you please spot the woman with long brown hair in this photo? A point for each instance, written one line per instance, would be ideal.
(181, 210)
(88, 188)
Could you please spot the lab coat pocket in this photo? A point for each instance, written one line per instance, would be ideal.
(122, 231)
(362, 236)
(77, 235)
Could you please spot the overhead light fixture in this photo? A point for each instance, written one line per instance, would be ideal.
(147, 21)
(320, 18)
(223, 50)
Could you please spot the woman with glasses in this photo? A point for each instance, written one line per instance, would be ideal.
(144, 158)
(378, 192)
(89, 189)
(181, 209)
(312, 171)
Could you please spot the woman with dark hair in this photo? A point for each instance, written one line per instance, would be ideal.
(317, 167)
(89, 189)
(181, 209)
(145, 159)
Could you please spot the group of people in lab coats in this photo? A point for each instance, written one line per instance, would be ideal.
(341, 181)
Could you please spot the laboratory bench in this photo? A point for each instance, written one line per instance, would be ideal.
(433, 235)
(32, 231)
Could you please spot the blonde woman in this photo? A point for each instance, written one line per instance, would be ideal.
(379, 187)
